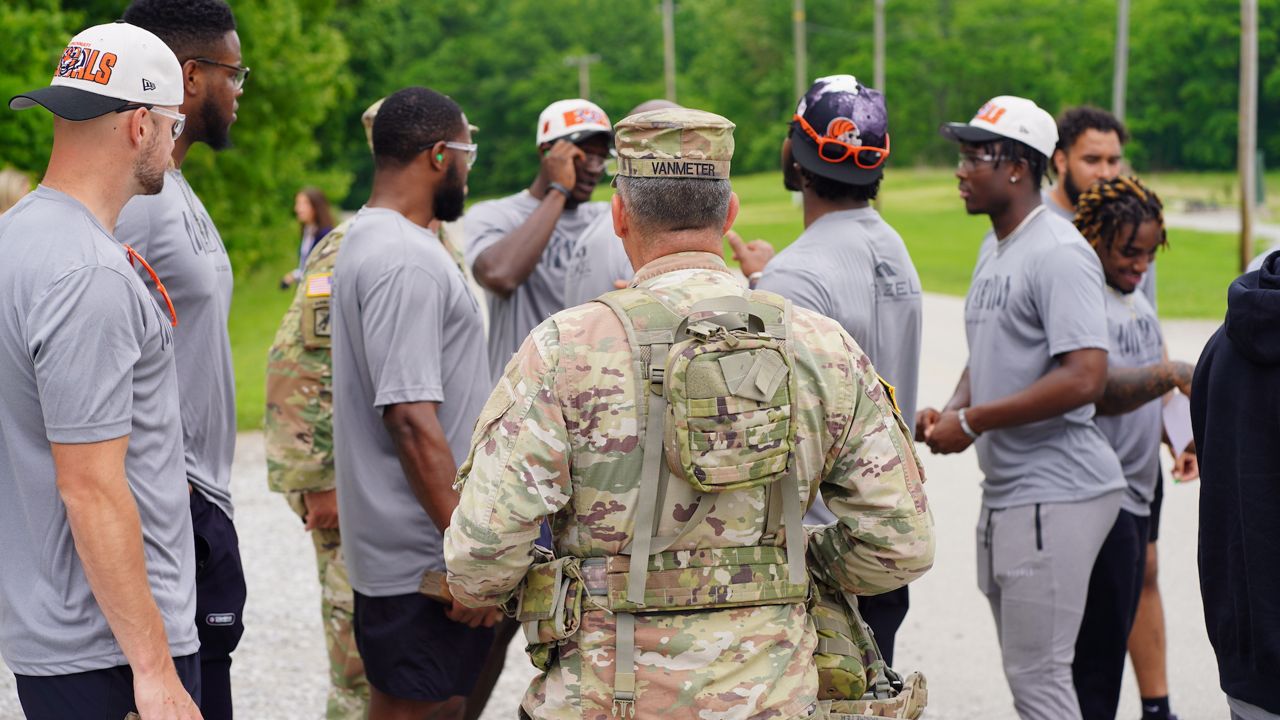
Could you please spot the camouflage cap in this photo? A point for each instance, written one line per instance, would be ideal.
(674, 142)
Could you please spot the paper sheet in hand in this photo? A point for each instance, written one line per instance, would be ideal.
(1177, 421)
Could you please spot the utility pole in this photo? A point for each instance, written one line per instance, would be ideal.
(799, 42)
(879, 50)
(1248, 146)
(1120, 80)
(669, 47)
(584, 72)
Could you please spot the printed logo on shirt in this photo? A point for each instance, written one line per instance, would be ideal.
(890, 285)
(1133, 337)
(989, 293)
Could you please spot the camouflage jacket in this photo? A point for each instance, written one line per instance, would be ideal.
(298, 427)
(568, 400)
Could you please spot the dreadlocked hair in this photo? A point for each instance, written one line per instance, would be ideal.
(1108, 206)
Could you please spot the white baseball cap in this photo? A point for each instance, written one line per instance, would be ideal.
(572, 120)
(106, 68)
(1010, 117)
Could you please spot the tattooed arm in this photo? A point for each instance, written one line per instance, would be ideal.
(1130, 388)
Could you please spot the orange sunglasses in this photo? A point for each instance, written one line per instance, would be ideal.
(842, 149)
(136, 257)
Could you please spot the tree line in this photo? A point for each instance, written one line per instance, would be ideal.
(318, 63)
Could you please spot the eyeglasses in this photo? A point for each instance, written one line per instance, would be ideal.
(970, 162)
(136, 257)
(179, 120)
(468, 148)
(867, 157)
(239, 75)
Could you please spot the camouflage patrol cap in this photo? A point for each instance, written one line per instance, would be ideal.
(674, 143)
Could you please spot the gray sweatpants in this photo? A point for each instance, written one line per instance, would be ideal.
(1034, 564)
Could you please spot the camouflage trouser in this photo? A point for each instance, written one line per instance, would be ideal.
(348, 688)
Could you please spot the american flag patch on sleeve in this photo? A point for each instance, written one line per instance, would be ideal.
(320, 285)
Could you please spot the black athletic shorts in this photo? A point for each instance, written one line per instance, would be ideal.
(94, 695)
(1157, 502)
(412, 651)
(220, 598)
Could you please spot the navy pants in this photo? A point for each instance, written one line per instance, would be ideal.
(94, 695)
(1114, 589)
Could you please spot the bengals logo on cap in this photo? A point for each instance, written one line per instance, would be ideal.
(844, 130)
(990, 112)
(80, 62)
(582, 116)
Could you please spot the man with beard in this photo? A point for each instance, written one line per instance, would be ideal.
(1091, 148)
(848, 264)
(174, 232)
(1036, 322)
(97, 572)
(520, 245)
(409, 379)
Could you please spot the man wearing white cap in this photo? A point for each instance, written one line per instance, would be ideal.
(1037, 329)
(520, 245)
(97, 576)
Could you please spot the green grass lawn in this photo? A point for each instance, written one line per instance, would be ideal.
(924, 207)
(256, 309)
(922, 204)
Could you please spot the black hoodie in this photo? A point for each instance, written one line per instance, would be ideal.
(1235, 413)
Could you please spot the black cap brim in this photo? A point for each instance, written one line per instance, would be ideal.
(67, 102)
(805, 152)
(583, 136)
(966, 133)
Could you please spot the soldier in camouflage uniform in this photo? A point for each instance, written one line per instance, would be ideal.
(562, 438)
(299, 440)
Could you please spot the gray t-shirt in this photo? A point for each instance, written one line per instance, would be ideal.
(541, 295)
(854, 268)
(1035, 295)
(86, 355)
(174, 233)
(1148, 282)
(598, 260)
(1136, 341)
(406, 328)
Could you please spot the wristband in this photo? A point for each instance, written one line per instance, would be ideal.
(965, 426)
(561, 189)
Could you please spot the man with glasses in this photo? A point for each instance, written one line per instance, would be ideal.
(409, 380)
(97, 572)
(848, 264)
(1036, 322)
(174, 232)
(520, 245)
